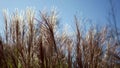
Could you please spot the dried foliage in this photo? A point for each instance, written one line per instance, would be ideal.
(31, 45)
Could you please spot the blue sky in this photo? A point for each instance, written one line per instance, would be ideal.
(95, 10)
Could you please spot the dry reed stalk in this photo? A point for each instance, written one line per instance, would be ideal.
(78, 46)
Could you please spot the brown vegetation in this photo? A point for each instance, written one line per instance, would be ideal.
(29, 46)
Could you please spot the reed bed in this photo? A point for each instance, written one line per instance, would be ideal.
(31, 42)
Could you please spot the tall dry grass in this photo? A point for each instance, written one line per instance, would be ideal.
(32, 42)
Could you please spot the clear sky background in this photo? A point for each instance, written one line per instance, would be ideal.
(95, 10)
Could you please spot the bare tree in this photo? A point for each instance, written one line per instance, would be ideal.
(113, 21)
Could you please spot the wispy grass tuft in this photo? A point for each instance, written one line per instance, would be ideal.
(27, 45)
